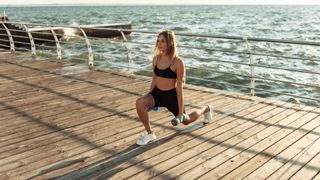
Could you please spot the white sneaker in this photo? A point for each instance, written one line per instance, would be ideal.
(146, 138)
(208, 115)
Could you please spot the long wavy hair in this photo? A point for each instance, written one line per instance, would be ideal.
(171, 42)
(172, 50)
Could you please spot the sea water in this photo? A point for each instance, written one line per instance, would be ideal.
(298, 23)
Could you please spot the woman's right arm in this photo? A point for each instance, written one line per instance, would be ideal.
(152, 83)
(153, 76)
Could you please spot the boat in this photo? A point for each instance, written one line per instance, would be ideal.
(43, 35)
(104, 30)
(20, 36)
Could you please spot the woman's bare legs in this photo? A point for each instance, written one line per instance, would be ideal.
(195, 115)
(141, 104)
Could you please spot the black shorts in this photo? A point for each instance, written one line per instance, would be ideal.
(167, 98)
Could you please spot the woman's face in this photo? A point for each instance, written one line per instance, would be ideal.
(162, 44)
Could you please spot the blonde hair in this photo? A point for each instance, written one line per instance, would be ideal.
(172, 47)
(171, 42)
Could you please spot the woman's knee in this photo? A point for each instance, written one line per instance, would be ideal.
(185, 123)
(144, 101)
(140, 102)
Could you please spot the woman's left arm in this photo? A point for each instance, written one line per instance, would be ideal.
(179, 88)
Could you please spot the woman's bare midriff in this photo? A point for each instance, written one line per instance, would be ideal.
(164, 83)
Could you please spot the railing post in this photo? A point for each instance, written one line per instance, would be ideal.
(90, 62)
(33, 46)
(128, 50)
(252, 72)
(59, 57)
(12, 49)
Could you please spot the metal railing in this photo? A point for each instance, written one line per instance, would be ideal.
(248, 52)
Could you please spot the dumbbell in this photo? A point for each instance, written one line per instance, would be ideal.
(175, 121)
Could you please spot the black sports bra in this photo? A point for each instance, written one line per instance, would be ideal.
(165, 73)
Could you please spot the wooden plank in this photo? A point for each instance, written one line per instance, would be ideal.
(61, 93)
(199, 150)
(51, 82)
(69, 121)
(19, 67)
(254, 145)
(107, 174)
(77, 92)
(51, 85)
(77, 173)
(288, 168)
(21, 71)
(88, 101)
(317, 177)
(66, 92)
(218, 153)
(57, 124)
(278, 154)
(140, 125)
(74, 115)
(175, 152)
(310, 170)
(239, 132)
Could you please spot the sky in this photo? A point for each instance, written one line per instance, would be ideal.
(184, 2)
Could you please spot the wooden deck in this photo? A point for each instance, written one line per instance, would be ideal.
(66, 122)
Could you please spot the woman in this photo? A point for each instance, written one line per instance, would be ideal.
(166, 87)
